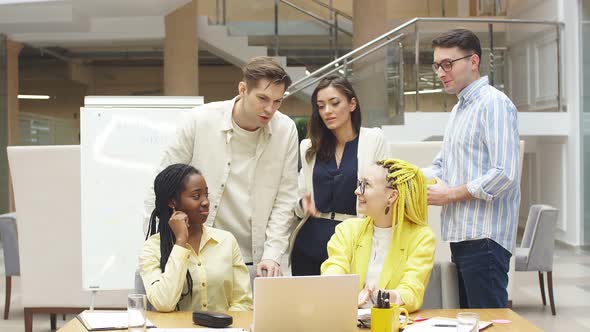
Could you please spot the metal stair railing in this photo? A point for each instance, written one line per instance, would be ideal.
(396, 34)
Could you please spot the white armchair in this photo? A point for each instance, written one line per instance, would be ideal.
(46, 182)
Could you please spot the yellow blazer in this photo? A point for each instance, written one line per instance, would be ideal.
(407, 265)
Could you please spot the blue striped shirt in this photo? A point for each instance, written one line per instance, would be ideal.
(481, 149)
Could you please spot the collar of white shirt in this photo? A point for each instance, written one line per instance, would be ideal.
(227, 125)
(472, 90)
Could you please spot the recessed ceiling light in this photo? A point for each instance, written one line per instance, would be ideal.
(33, 97)
(424, 92)
(18, 2)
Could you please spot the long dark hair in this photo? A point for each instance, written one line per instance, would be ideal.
(168, 185)
(323, 141)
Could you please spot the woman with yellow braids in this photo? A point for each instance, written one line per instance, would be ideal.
(392, 248)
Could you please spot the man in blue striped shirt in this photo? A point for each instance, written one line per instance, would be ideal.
(477, 173)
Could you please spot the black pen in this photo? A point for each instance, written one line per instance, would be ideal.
(445, 325)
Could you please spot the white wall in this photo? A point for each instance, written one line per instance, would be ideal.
(569, 13)
(532, 78)
(420, 126)
(554, 163)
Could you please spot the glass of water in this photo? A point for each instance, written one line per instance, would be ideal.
(136, 308)
(467, 322)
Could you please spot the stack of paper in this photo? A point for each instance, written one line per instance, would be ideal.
(444, 325)
(99, 320)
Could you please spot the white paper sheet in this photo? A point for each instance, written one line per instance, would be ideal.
(428, 325)
(101, 319)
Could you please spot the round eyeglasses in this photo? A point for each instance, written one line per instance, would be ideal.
(447, 64)
(361, 185)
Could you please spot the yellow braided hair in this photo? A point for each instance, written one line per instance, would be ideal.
(411, 203)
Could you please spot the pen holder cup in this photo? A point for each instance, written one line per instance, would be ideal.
(387, 319)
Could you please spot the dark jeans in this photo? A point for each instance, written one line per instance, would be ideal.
(482, 269)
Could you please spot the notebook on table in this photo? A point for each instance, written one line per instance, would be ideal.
(104, 320)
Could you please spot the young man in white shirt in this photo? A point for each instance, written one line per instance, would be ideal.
(247, 151)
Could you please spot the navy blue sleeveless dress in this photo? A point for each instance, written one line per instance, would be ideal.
(333, 189)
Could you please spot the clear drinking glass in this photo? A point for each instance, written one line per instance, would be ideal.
(467, 322)
(136, 308)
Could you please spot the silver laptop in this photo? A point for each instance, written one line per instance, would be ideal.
(309, 303)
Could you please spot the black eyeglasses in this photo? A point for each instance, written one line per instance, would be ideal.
(447, 64)
(362, 184)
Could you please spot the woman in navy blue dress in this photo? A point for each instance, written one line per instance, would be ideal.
(331, 158)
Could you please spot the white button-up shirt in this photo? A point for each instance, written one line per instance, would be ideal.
(481, 149)
(204, 142)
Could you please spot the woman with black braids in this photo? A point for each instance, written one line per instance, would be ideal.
(184, 264)
(392, 248)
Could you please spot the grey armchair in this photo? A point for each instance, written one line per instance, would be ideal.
(140, 289)
(11, 258)
(536, 250)
(442, 291)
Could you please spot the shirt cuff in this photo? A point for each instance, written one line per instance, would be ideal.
(180, 253)
(429, 173)
(476, 190)
(273, 254)
(398, 297)
(299, 208)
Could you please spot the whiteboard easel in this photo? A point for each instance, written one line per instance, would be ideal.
(122, 143)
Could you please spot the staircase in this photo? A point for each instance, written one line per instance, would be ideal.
(235, 50)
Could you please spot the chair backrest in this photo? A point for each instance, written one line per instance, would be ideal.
(46, 181)
(543, 242)
(433, 292)
(531, 224)
(140, 289)
(442, 291)
(9, 238)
